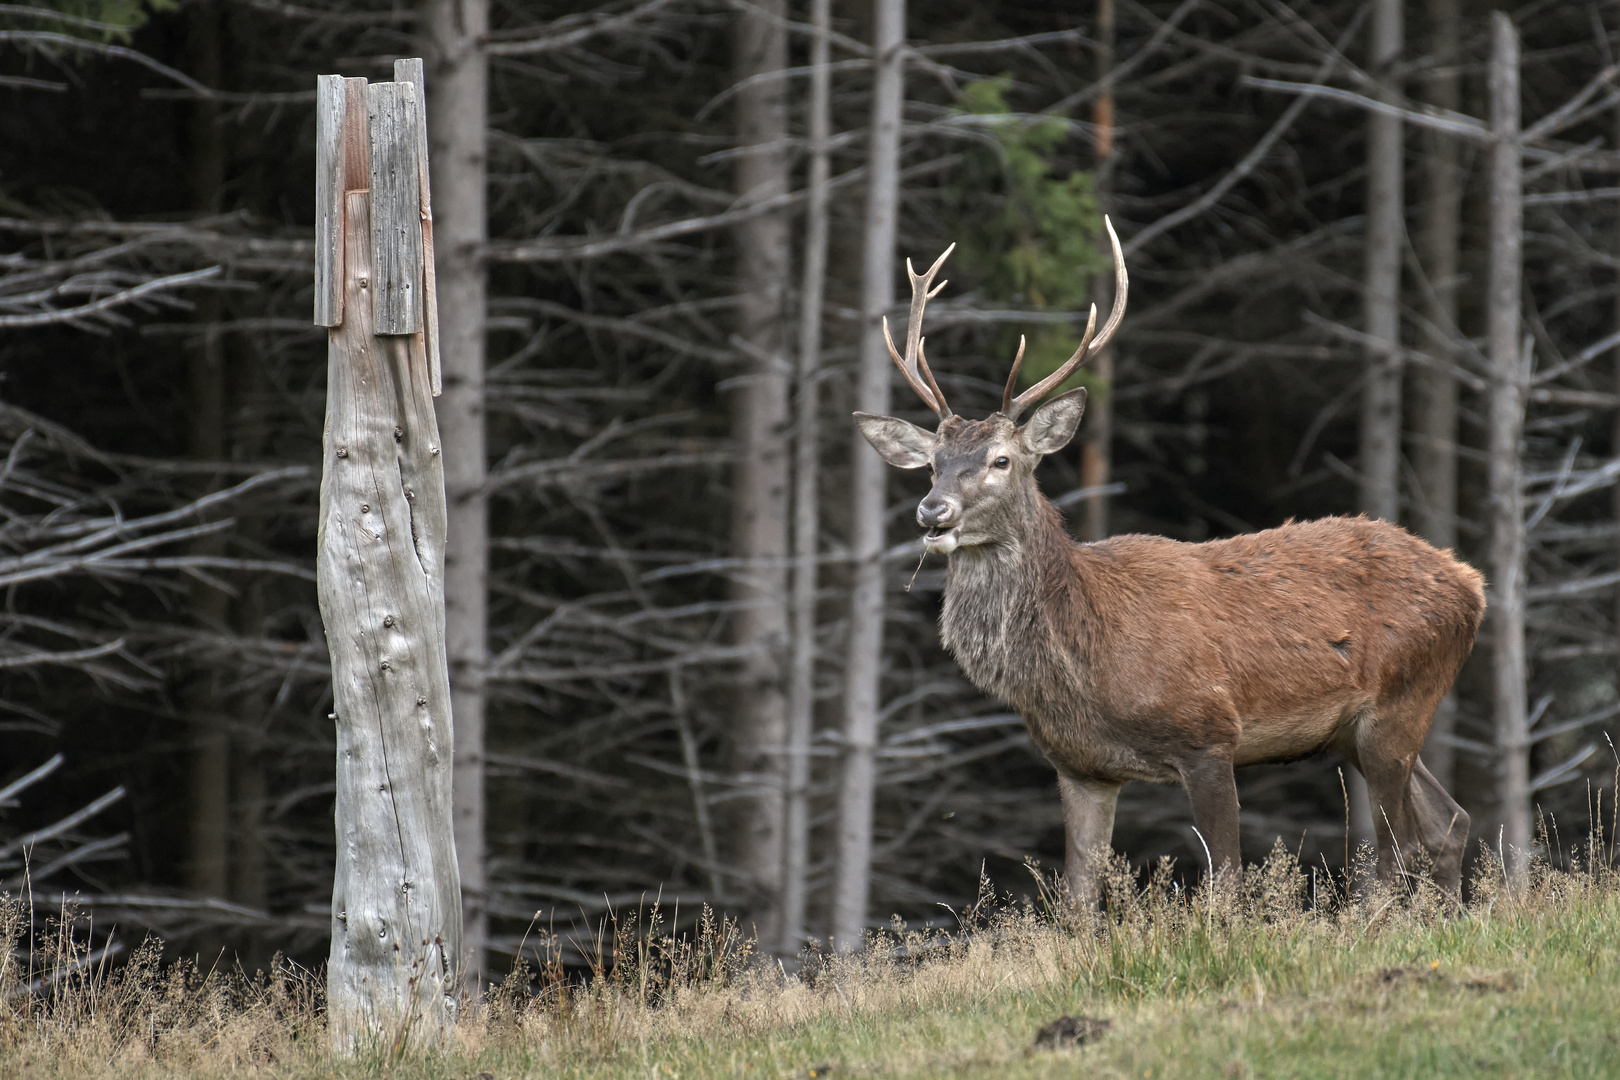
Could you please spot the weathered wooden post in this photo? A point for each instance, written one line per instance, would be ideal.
(396, 897)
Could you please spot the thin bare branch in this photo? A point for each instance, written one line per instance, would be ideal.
(1452, 123)
(71, 315)
(72, 821)
(9, 793)
(568, 31)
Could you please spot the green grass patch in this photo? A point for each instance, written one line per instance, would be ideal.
(1253, 980)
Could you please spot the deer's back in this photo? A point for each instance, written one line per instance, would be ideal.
(1274, 639)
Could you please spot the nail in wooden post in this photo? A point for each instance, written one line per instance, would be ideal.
(411, 71)
(396, 208)
(329, 109)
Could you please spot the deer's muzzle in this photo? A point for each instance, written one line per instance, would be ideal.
(940, 515)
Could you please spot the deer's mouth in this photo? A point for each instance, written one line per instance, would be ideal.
(940, 541)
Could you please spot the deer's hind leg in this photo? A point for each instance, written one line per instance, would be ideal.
(1416, 823)
(1442, 827)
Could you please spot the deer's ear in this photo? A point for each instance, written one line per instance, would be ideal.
(1053, 424)
(902, 444)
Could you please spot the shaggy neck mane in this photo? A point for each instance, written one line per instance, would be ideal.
(1015, 608)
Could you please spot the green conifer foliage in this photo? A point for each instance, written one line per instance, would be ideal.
(1038, 249)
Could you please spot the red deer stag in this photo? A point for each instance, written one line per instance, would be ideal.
(1143, 658)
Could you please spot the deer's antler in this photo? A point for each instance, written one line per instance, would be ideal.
(914, 366)
(1089, 345)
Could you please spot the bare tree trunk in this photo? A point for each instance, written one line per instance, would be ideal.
(1434, 443)
(252, 748)
(1096, 458)
(1381, 398)
(211, 765)
(1614, 441)
(207, 872)
(457, 121)
(759, 423)
(392, 976)
(863, 667)
(249, 884)
(806, 474)
(1508, 357)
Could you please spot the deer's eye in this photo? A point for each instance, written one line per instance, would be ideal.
(1002, 463)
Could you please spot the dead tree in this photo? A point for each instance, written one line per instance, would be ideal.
(1509, 375)
(1434, 413)
(209, 862)
(760, 514)
(458, 112)
(1381, 300)
(396, 900)
(806, 492)
(863, 665)
(1613, 645)
(1096, 452)
(1386, 235)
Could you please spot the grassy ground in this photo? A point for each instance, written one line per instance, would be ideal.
(1252, 982)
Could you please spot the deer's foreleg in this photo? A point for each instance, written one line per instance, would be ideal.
(1212, 787)
(1088, 828)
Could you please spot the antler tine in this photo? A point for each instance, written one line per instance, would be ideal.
(1012, 379)
(923, 289)
(1090, 345)
(916, 383)
(1044, 387)
(1122, 287)
(922, 364)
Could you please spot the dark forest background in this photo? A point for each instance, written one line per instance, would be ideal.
(167, 645)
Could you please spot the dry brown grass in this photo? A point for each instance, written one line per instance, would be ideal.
(1277, 973)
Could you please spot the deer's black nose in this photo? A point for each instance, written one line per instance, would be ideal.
(936, 512)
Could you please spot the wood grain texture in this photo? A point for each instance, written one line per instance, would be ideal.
(356, 144)
(329, 105)
(396, 898)
(396, 208)
(410, 70)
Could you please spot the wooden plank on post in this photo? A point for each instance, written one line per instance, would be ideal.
(396, 209)
(356, 155)
(329, 106)
(410, 71)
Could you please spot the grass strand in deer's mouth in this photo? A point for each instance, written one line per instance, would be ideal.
(938, 541)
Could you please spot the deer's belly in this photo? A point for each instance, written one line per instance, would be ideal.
(1077, 749)
(1292, 735)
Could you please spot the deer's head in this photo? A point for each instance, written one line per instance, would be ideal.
(981, 467)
